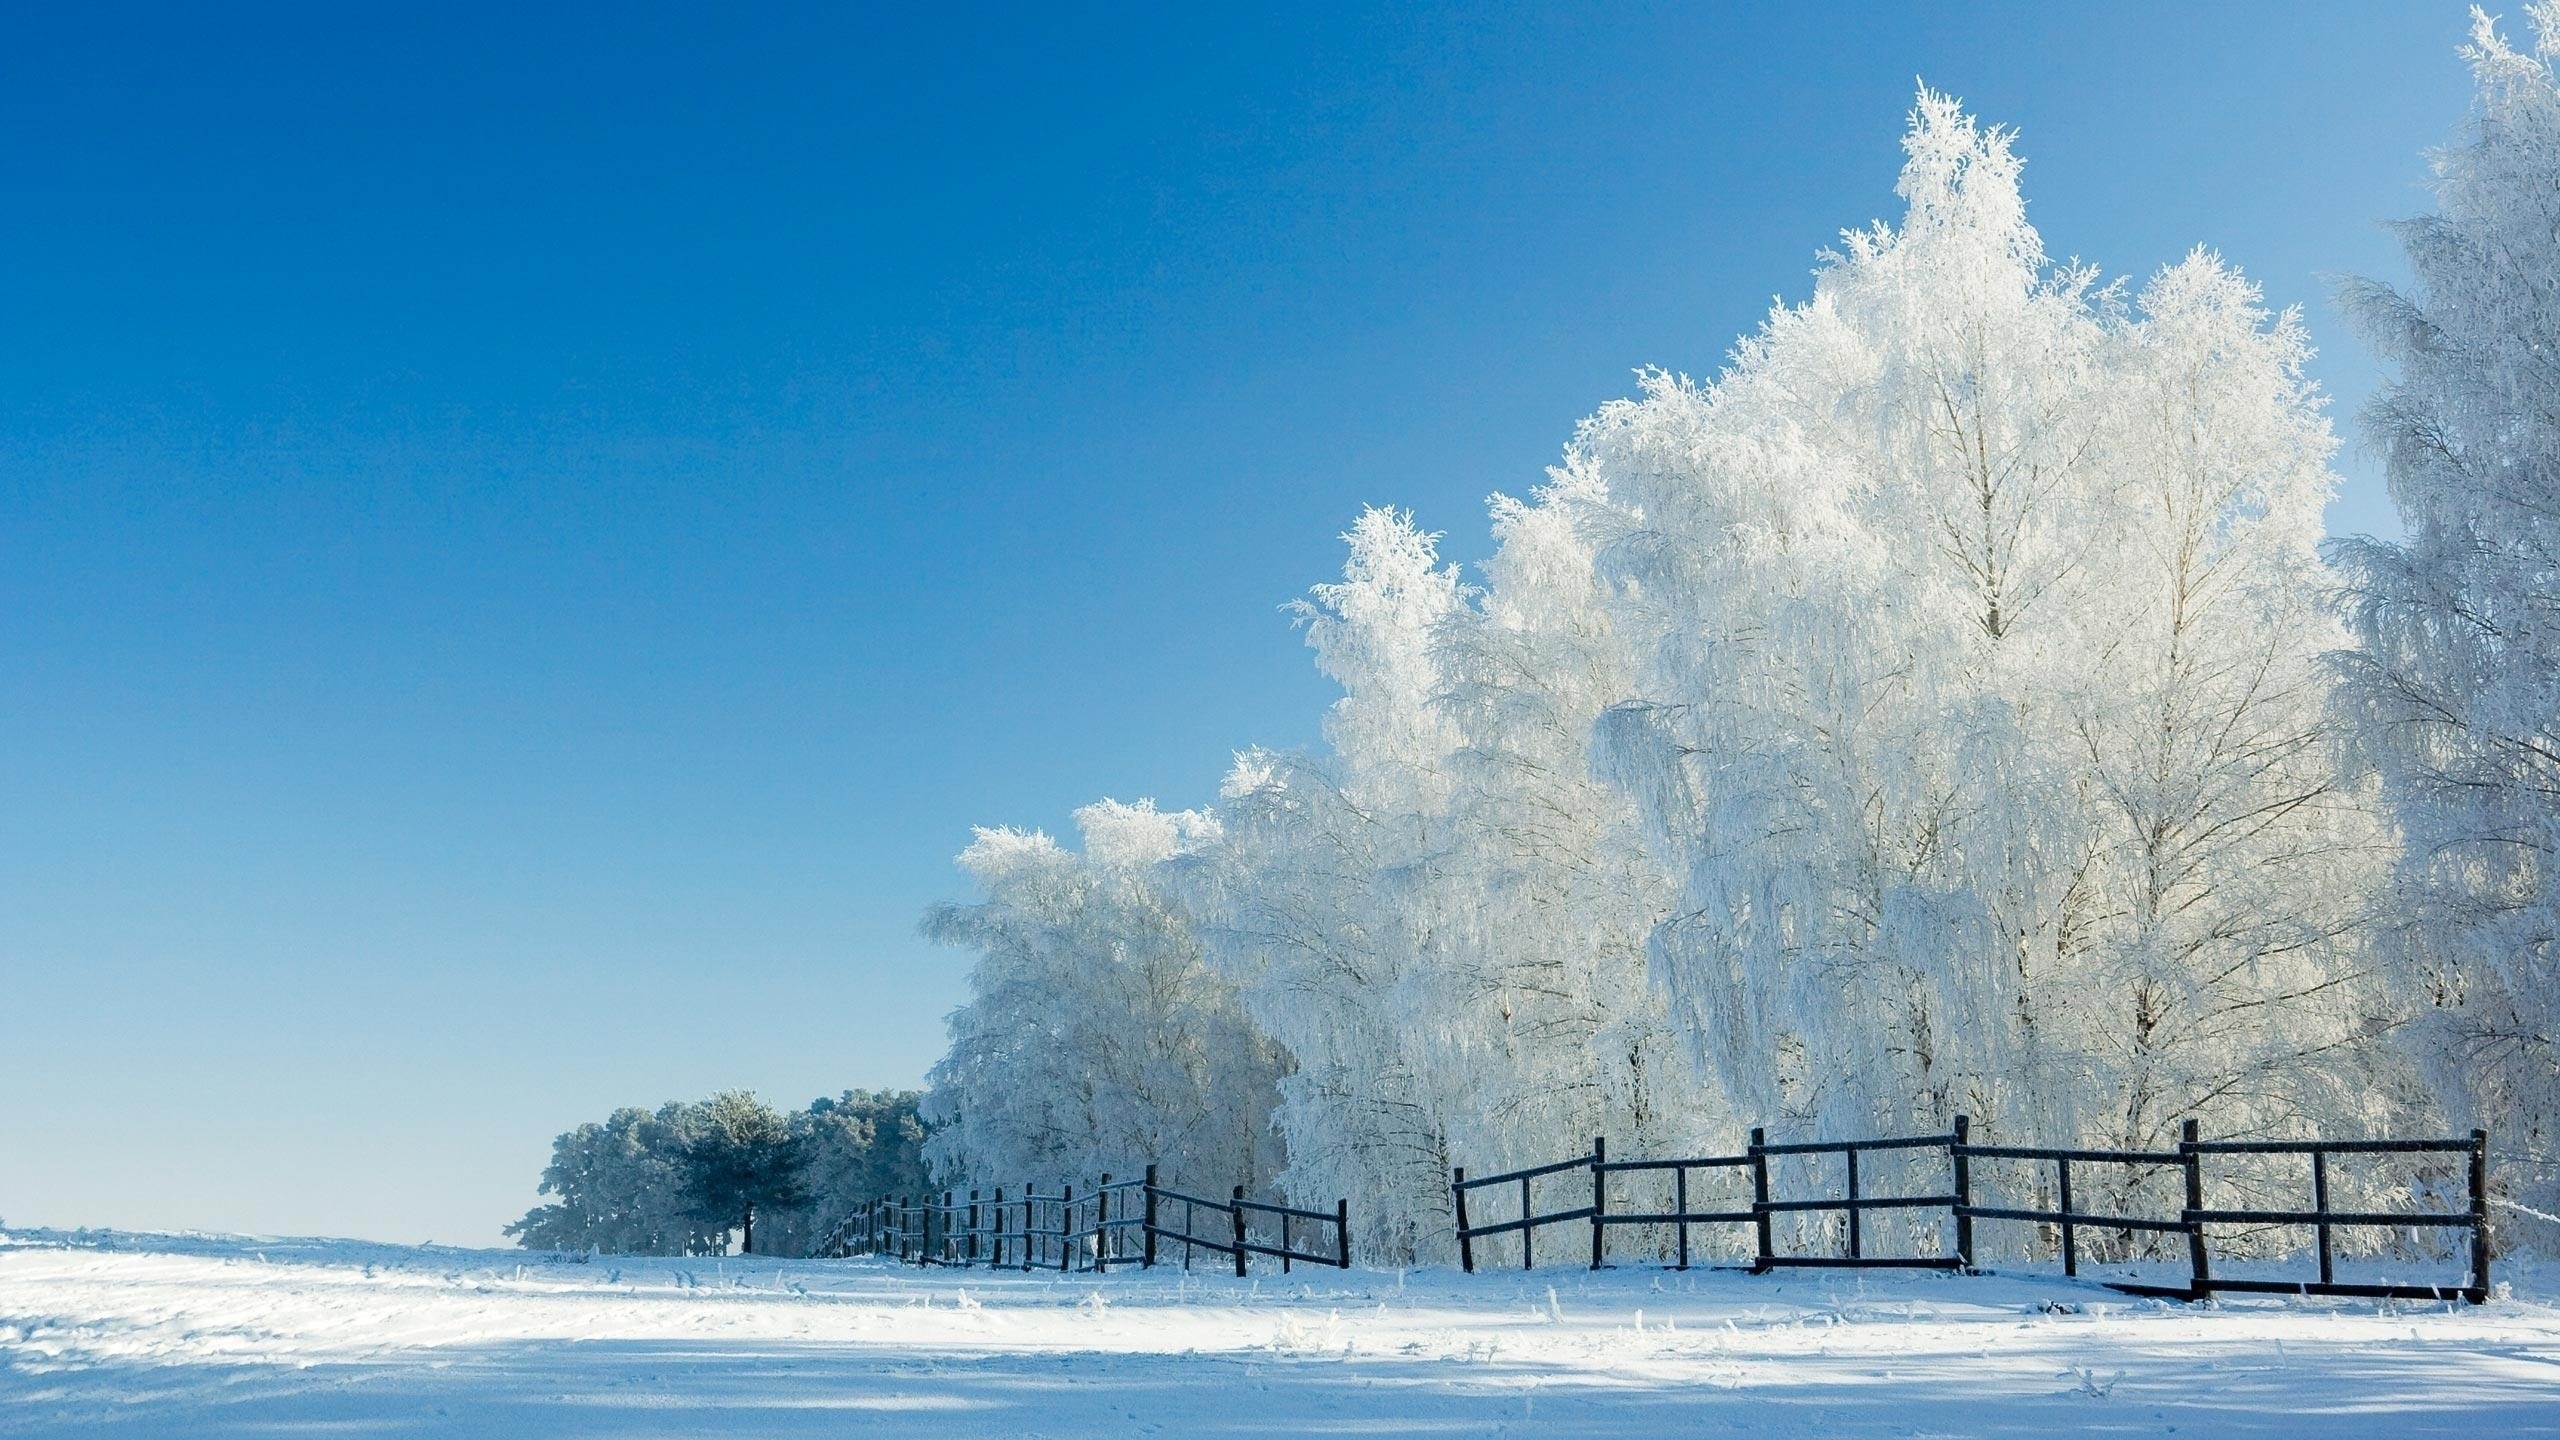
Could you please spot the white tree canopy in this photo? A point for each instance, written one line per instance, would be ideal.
(2455, 683)
(1095, 1039)
(1930, 713)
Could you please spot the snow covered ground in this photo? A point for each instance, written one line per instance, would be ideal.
(159, 1335)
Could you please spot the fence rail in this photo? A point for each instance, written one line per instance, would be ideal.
(1117, 1223)
(2324, 1221)
(1852, 1201)
(1113, 1223)
(2062, 1216)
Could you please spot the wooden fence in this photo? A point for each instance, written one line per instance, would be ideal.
(1952, 1247)
(1114, 1223)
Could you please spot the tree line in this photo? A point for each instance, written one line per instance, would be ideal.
(1953, 705)
(686, 1178)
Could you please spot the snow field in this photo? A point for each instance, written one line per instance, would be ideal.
(150, 1335)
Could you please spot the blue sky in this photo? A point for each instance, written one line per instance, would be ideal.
(526, 541)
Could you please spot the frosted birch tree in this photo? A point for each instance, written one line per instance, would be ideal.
(2456, 682)
(1983, 724)
(1094, 1038)
(1312, 902)
(1443, 919)
(1552, 896)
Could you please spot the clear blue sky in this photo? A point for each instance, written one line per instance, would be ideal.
(526, 541)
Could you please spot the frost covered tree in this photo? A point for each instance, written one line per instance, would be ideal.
(1443, 920)
(1549, 896)
(624, 1187)
(2456, 680)
(681, 1180)
(1094, 1038)
(852, 1148)
(1928, 714)
(1983, 723)
(1309, 903)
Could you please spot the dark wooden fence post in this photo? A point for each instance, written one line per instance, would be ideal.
(1284, 1242)
(1599, 1200)
(2070, 1231)
(1963, 1166)
(1147, 1230)
(1851, 1154)
(2320, 1203)
(1102, 1226)
(2199, 1266)
(1466, 1242)
(2479, 1217)
(1760, 1198)
(1680, 1207)
(1066, 1225)
(1030, 1247)
(1342, 1233)
(995, 1260)
(1235, 1212)
(972, 1257)
(2063, 1212)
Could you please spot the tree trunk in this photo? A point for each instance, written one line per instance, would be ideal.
(747, 1245)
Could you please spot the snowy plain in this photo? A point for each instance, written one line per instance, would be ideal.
(151, 1335)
